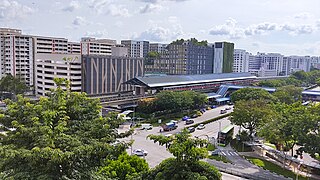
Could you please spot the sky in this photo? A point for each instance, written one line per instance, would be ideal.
(289, 27)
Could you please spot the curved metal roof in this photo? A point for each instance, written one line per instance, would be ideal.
(174, 80)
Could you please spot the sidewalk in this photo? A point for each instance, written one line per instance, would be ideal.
(255, 155)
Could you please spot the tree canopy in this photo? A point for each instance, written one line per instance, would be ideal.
(186, 164)
(252, 94)
(60, 137)
(288, 94)
(12, 85)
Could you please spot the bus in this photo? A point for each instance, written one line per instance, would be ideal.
(225, 136)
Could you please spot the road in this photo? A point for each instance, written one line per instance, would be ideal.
(158, 153)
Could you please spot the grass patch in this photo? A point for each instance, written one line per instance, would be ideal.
(211, 147)
(239, 146)
(273, 167)
(210, 120)
(219, 158)
(270, 145)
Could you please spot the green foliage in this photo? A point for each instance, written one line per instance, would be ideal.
(60, 137)
(211, 120)
(182, 146)
(173, 101)
(186, 164)
(172, 169)
(12, 85)
(288, 94)
(125, 167)
(252, 94)
(280, 82)
(194, 41)
(251, 114)
(273, 167)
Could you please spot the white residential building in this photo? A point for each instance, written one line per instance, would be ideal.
(16, 55)
(297, 63)
(92, 46)
(157, 47)
(137, 48)
(241, 60)
(50, 66)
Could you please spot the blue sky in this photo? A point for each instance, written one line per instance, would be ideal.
(290, 27)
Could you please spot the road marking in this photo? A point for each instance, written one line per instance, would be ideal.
(223, 153)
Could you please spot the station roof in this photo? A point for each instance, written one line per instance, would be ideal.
(223, 99)
(213, 95)
(174, 80)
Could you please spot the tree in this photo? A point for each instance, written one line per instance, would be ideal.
(12, 85)
(300, 75)
(186, 164)
(60, 137)
(251, 114)
(308, 131)
(252, 94)
(281, 129)
(125, 167)
(288, 94)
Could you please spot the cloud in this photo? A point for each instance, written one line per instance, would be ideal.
(11, 10)
(157, 1)
(160, 34)
(96, 34)
(231, 29)
(72, 6)
(108, 7)
(118, 10)
(79, 21)
(303, 15)
(150, 8)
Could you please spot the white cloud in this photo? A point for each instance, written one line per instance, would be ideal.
(161, 34)
(118, 10)
(156, 1)
(10, 10)
(150, 8)
(303, 15)
(231, 29)
(79, 21)
(96, 34)
(72, 6)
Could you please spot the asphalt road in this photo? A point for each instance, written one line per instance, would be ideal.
(158, 153)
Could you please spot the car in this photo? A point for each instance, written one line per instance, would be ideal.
(223, 111)
(168, 135)
(201, 126)
(140, 152)
(194, 115)
(185, 118)
(213, 106)
(216, 152)
(174, 121)
(189, 121)
(228, 108)
(191, 129)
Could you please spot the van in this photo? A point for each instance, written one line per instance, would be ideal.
(146, 126)
(223, 111)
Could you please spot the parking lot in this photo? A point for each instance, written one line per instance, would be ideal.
(158, 153)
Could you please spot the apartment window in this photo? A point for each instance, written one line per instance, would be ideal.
(48, 72)
(50, 84)
(62, 68)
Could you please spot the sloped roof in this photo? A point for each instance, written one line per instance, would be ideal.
(174, 80)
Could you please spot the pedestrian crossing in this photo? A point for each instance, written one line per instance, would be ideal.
(229, 153)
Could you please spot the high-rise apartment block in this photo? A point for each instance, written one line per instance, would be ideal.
(92, 46)
(223, 57)
(183, 57)
(137, 48)
(241, 60)
(16, 55)
(157, 47)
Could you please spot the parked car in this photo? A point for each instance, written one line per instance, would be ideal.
(228, 108)
(216, 152)
(185, 118)
(213, 106)
(194, 115)
(189, 121)
(174, 121)
(223, 111)
(146, 126)
(140, 152)
(191, 129)
(201, 126)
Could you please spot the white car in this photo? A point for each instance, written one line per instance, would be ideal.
(140, 152)
(201, 126)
